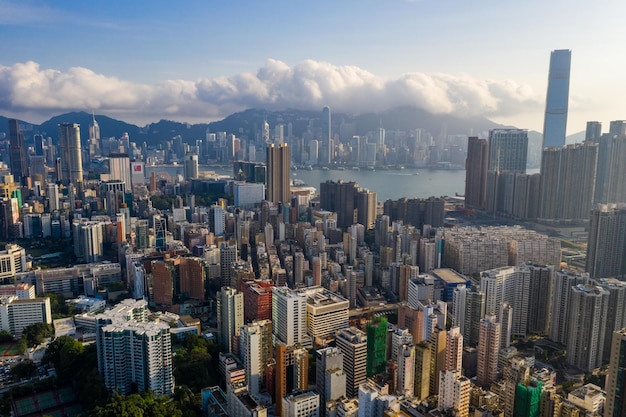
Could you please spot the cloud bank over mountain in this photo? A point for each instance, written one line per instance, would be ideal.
(26, 88)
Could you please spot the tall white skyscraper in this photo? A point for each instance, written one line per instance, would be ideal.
(555, 122)
(256, 352)
(53, 197)
(119, 169)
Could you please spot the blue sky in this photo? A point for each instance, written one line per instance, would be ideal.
(200, 60)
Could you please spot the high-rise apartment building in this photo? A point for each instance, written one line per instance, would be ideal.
(353, 345)
(567, 181)
(593, 131)
(616, 380)
(278, 173)
(405, 378)
(256, 352)
(16, 313)
(555, 121)
(606, 245)
(476, 172)
(559, 316)
(508, 150)
(191, 166)
(540, 298)
(133, 352)
(474, 313)
(422, 371)
(192, 278)
(437, 344)
(17, 151)
(454, 393)
(302, 404)
(229, 316)
(488, 349)
(71, 155)
(352, 203)
(616, 311)
(454, 349)
(291, 372)
(588, 307)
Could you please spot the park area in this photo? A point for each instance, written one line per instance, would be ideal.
(61, 402)
(9, 349)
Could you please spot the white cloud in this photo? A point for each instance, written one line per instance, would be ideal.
(29, 89)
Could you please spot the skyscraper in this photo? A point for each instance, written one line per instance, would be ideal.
(119, 169)
(593, 131)
(134, 353)
(476, 172)
(555, 121)
(508, 150)
(71, 157)
(17, 151)
(327, 139)
(353, 345)
(488, 348)
(278, 173)
(289, 315)
(229, 316)
(616, 381)
(330, 383)
(454, 349)
(607, 241)
(588, 307)
(256, 352)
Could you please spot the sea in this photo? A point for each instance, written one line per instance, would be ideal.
(387, 184)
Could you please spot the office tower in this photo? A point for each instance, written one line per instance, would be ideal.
(353, 345)
(228, 255)
(593, 131)
(160, 232)
(540, 298)
(17, 151)
(191, 166)
(53, 197)
(588, 306)
(376, 346)
(303, 404)
(559, 316)
(399, 337)
(119, 169)
(454, 349)
(615, 405)
(508, 150)
(94, 137)
(330, 379)
(327, 139)
(459, 302)
(326, 313)
(141, 234)
(474, 313)
(71, 156)
(291, 372)
(555, 121)
(607, 241)
(278, 173)
(134, 353)
(352, 203)
(437, 344)
(488, 348)
(256, 352)
(229, 316)
(476, 172)
(163, 281)
(454, 393)
(289, 315)
(567, 181)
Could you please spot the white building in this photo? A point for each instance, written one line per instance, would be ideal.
(454, 393)
(289, 310)
(304, 404)
(229, 316)
(134, 353)
(16, 314)
(12, 261)
(248, 194)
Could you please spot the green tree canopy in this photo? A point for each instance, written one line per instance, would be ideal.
(35, 333)
(145, 404)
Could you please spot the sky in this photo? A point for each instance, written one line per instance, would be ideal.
(199, 61)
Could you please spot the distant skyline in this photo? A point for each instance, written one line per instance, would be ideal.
(146, 60)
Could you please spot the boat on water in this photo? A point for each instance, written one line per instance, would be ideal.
(341, 168)
(325, 169)
(356, 169)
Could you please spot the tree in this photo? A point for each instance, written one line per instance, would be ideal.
(23, 369)
(65, 355)
(5, 336)
(35, 333)
(145, 404)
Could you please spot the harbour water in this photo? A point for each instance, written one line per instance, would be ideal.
(388, 184)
